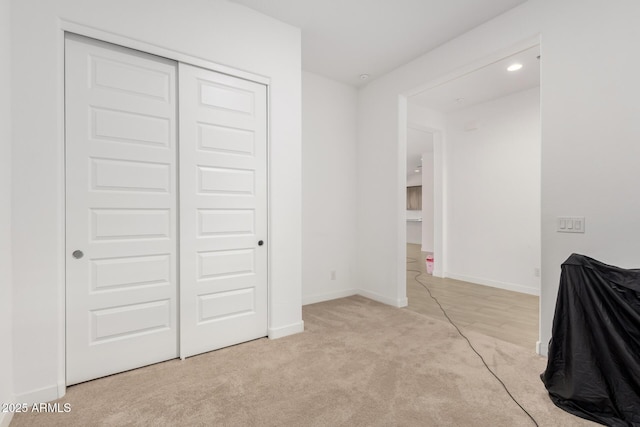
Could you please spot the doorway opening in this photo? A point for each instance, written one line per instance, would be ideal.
(486, 198)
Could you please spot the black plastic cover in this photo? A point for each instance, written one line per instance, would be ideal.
(593, 370)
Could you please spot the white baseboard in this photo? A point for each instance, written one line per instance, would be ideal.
(284, 331)
(62, 389)
(495, 284)
(5, 418)
(400, 302)
(541, 350)
(312, 299)
(45, 394)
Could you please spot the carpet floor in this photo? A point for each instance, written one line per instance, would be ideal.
(358, 363)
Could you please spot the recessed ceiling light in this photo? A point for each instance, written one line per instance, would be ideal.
(364, 76)
(514, 67)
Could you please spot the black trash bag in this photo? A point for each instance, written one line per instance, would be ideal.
(593, 369)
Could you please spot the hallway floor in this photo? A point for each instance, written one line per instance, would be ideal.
(507, 315)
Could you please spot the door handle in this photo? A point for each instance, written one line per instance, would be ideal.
(260, 243)
(77, 254)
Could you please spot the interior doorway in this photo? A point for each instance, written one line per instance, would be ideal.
(487, 217)
(420, 203)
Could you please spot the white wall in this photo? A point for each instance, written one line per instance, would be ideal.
(329, 188)
(6, 333)
(414, 179)
(427, 201)
(414, 228)
(590, 134)
(216, 31)
(494, 193)
(426, 118)
(589, 137)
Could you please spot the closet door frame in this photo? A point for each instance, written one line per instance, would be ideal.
(108, 37)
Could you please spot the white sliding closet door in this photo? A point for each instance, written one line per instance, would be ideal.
(128, 234)
(223, 210)
(121, 221)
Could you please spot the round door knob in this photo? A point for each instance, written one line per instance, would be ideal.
(77, 254)
(260, 243)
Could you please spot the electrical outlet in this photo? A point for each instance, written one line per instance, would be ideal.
(536, 272)
(333, 275)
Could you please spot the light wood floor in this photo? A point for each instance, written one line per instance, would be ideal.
(509, 316)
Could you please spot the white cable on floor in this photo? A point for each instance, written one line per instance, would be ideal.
(424, 285)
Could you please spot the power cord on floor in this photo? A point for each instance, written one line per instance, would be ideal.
(424, 285)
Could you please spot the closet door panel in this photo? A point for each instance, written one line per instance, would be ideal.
(121, 230)
(223, 210)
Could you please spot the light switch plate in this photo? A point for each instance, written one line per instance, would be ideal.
(570, 224)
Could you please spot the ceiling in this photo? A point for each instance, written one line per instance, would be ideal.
(342, 39)
(490, 82)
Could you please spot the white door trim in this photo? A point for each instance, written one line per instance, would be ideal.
(66, 26)
(105, 36)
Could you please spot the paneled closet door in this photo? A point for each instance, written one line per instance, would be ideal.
(223, 210)
(121, 214)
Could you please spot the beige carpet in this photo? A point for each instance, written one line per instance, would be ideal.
(359, 363)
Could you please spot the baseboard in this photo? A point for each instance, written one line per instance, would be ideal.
(399, 302)
(312, 299)
(5, 418)
(45, 394)
(402, 302)
(62, 389)
(495, 284)
(540, 349)
(283, 331)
